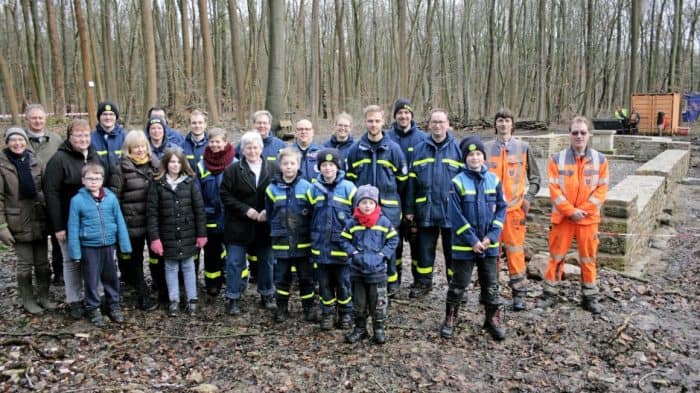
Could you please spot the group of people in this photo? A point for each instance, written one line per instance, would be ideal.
(334, 215)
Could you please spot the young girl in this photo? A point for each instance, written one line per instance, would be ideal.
(176, 225)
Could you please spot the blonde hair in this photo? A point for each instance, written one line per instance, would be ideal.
(135, 138)
(581, 119)
(289, 152)
(217, 132)
(373, 109)
(343, 115)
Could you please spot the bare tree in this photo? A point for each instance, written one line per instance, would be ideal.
(208, 63)
(238, 70)
(59, 104)
(87, 66)
(149, 44)
(9, 89)
(274, 100)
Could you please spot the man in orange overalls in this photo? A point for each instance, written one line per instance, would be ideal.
(510, 159)
(578, 183)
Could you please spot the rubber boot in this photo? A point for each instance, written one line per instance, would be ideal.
(26, 293)
(43, 278)
(448, 325)
(379, 334)
(590, 303)
(281, 312)
(492, 322)
(359, 332)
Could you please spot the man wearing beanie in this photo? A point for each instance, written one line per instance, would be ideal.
(511, 161)
(370, 240)
(379, 161)
(108, 136)
(477, 211)
(171, 135)
(436, 161)
(408, 135)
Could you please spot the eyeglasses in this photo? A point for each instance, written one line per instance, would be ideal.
(577, 133)
(92, 179)
(342, 125)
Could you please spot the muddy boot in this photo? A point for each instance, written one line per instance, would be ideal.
(281, 312)
(379, 335)
(345, 321)
(419, 291)
(173, 309)
(192, 308)
(26, 293)
(519, 300)
(268, 302)
(547, 300)
(359, 332)
(116, 315)
(590, 303)
(96, 318)
(310, 313)
(492, 322)
(76, 310)
(233, 307)
(448, 325)
(146, 304)
(43, 279)
(327, 321)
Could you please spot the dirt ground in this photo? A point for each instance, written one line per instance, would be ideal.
(647, 340)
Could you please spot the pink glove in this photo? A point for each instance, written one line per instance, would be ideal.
(201, 242)
(157, 247)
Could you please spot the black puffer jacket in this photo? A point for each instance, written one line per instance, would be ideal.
(238, 194)
(62, 180)
(175, 217)
(129, 182)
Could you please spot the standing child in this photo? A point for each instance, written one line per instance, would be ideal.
(331, 197)
(289, 206)
(477, 211)
(371, 239)
(95, 225)
(176, 226)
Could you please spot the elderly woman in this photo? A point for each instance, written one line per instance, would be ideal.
(129, 182)
(245, 227)
(62, 180)
(22, 220)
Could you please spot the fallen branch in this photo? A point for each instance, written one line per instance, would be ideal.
(640, 384)
(626, 275)
(33, 346)
(622, 328)
(38, 334)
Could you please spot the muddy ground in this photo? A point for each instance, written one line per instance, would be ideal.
(647, 340)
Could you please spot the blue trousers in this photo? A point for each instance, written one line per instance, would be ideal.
(334, 288)
(236, 263)
(98, 264)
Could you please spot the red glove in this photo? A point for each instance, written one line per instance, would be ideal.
(157, 247)
(201, 242)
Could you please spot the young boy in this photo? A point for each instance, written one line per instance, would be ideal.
(477, 211)
(370, 239)
(331, 197)
(289, 206)
(95, 225)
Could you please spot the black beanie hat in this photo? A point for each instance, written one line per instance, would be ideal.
(471, 143)
(156, 120)
(328, 155)
(402, 103)
(107, 106)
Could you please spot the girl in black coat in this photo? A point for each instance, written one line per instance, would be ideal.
(176, 225)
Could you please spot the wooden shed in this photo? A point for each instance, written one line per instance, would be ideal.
(649, 105)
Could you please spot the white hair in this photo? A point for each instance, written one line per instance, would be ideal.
(251, 137)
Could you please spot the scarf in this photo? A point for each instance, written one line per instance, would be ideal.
(99, 196)
(27, 188)
(367, 220)
(217, 162)
(142, 161)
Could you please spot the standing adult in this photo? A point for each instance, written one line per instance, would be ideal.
(22, 219)
(342, 138)
(510, 160)
(578, 186)
(304, 143)
(156, 134)
(108, 136)
(378, 161)
(44, 143)
(171, 135)
(408, 135)
(436, 161)
(246, 229)
(262, 122)
(62, 180)
(197, 139)
(129, 182)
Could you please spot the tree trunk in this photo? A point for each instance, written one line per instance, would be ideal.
(9, 90)
(186, 48)
(92, 41)
(149, 44)
(343, 82)
(238, 71)
(274, 100)
(588, 90)
(401, 51)
(87, 66)
(59, 107)
(315, 87)
(542, 59)
(490, 74)
(108, 53)
(32, 55)
(208, 63)
(635, 23)
(672, 82)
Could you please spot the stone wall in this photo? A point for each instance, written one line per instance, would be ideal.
(644, 148)
(543, 146)
(630, 212)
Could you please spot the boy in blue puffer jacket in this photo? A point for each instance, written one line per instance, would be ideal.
(95, 225)
(370, 239)
(477, 212)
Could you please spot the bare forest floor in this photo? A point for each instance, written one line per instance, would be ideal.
(647, 340)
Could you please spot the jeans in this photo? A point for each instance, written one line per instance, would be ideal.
(172, 266)
(236, 263)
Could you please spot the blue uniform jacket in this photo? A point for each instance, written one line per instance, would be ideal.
(407, 140)
(309, 168)
(194, 151)
(171, 135)
(429, 181)
(384, 166)
(108, 146)
(343, 147)
(209, 185)
(477, 209)
(288, 207)
(93, 224)
(374, 245)
(332, 207)
(271, 148)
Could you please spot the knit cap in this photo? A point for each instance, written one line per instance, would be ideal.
(15, 131)
(402, 103)
(367, 192)
(156, 120)
(107, 106)
(471, 143)
(328, 155)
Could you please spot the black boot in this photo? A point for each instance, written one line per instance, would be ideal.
(268, 302)
(379, 335)
(192, 308)
(345, 321)
(419, 290)
(310, 313)
(547, 300)
(519, 300)
(233, 307)
(359, 332)
(590, 303)
(327, 321)
(146, 304)
(448, 325)
(492, 322)
(281, 312)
